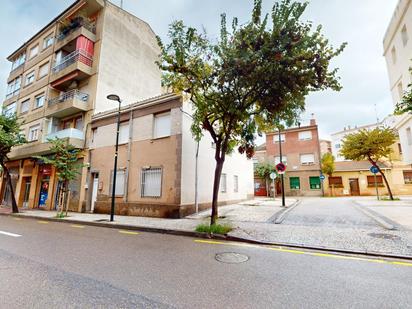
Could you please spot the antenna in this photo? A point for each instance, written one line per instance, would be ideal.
(376, 114)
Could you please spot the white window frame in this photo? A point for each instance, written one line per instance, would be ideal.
(223, 183)
(284, 159)
(21, 106)
(10, 109)
(282, 138)
(120, 182)
(235, 183)
(305, 135)
(46, 65)
(124, 133)
(48, 41)
(148, 177)
(29, 78)
(13, 88)
(307, 162)
(34, 133)
(34, 51)
(18, 62)
(36, 101)
(162, 132)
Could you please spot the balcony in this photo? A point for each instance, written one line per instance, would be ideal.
(68, 103)
(76, 65)
(68, 35)
(67, 133)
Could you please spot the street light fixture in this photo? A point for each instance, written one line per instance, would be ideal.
(115, 97)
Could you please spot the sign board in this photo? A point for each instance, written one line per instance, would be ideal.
(281, 168)
(374, 169)
(273, 175)
(322, 177)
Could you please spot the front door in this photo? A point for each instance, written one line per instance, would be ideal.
(354, 186)
(44, 191)
(26, 196)
(94, 192)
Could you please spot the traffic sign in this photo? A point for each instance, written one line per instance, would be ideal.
(374, 169)
(322, 177)
(281, 168)
(273, 175)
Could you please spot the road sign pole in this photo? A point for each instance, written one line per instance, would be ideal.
(274, 189)
(376, 187)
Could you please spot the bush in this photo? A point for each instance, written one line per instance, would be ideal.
(386, 198)
(214, 229)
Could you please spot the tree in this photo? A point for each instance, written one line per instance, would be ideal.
(64, 158)
(371, 145)
(263, 170)
(254, 76)
(328, 166)
(10, 137)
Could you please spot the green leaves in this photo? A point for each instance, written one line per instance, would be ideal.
(405, 105)
(368, 144)
(264, 169)
(328, 164)
(10, 135)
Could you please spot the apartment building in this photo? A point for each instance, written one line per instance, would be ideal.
(156, 172)
(301, 154)
(397, 46)
(60, 78)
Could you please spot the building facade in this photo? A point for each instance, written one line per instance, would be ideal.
(301, 155)
(60, 78)
(156, 173)
(397, 46)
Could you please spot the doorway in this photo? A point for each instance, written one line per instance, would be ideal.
(94, 191)
(354, 186)
(26, 196)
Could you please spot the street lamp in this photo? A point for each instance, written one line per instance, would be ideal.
(115, 97)
(281, 175)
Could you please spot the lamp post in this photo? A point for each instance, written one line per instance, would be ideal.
(115, 97)
(281, 176)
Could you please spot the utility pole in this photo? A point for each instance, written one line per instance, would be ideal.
(281, 175)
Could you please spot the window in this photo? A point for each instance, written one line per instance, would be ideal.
(9, 110)
(124, 133)
(335, 181)
(151, 182)
(39, 101)
(18, 62)
(24, 106)
(44, 70)
(284, 159)
(162, 124)
(30, 78)
(120, 182)
(34, 51)
(371, 181)
(409, 136)
(337, 146)
(400, 90)
(235, 183)
(307, 159)
(276, 138)
(34, 133)
(400, 148)
(48, 41)
(294, 183)
(407, 177)
(393, 53)
(305, 135)
(314, 183)
(223, 183)
(404, 35)
(13, 87)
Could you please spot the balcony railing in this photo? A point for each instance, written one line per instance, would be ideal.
(69, 95)
(78, 55)
(76, 24)
(66, 133)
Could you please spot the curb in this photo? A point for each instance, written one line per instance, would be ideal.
(374, 216)
(215, 236)
(280, 216)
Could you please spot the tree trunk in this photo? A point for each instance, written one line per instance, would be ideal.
(384, 179)
(216, 187)
(14, 207)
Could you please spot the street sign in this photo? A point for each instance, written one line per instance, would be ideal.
(281, 168)
(322, 177)
(374, 169)
(273, 175)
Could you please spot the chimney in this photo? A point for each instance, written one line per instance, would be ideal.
(313, 120)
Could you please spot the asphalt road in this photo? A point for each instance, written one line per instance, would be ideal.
(58, 265)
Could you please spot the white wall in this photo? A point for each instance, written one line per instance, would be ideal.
(127, 66)
(235, 164)
(406, 147)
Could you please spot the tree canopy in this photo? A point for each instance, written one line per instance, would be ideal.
(255, 75)
(328, 164)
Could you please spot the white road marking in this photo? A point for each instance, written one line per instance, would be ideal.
(9, 234)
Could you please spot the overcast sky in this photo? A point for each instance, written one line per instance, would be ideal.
(361, 23)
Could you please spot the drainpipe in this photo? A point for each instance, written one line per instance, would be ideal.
(129, 153)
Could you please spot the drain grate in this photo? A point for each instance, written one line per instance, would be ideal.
(231, 257)
(384, 236)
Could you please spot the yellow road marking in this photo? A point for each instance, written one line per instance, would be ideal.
(327, 255)
(77, 226)
(128, 232)
(43, 222)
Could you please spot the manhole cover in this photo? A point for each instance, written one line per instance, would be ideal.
(384, 236)
(231, 257)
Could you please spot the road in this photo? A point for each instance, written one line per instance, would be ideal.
(58, 265)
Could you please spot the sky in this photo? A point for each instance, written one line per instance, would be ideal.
(360, 23)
